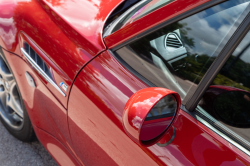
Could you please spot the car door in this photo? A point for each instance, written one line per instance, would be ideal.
(183, 54)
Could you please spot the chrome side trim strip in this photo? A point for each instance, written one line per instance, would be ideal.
(207, 124)
(41, 72)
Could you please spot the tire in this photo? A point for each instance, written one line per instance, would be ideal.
(13, 113)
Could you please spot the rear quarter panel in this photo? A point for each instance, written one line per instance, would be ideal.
(46, 113)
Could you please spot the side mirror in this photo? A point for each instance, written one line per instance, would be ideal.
(148, 115)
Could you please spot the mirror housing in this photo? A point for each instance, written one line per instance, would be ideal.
(138, 108)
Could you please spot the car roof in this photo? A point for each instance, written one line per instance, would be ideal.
(87, 17)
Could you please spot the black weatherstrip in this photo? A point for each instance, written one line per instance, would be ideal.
(170, 21)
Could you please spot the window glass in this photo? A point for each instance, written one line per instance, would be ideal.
(227, 100)
(177, 56)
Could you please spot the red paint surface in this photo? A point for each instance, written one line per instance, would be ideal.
(95, 121)
(68, 32)
(44, 110)
(56, 149)
(86, 19)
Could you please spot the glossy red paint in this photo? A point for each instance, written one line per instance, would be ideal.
(220, 139)
(137, 109)
(200, 147)
(68, 32)
(135, 28)
(56, 149)
(86, 19)
(7, 28)
(67, 35)
(45, 111)
(95, 117)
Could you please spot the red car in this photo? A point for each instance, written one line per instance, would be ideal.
(136, 82)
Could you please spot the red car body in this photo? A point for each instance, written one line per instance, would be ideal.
(85, 127)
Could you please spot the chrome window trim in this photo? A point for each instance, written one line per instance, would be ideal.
(111, 26)
(167, 22)
(221, 134)
(41, 72)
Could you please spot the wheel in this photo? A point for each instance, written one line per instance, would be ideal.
(12, 110)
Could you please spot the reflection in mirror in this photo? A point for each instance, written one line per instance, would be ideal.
(159, 118)
(166, 107)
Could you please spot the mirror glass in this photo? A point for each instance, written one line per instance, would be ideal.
(232, 108)
(159, 118)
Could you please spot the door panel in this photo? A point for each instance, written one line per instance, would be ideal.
(96, 105)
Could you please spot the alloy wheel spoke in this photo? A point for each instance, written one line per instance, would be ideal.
(11, 85)
(17, 118)
(1, 81)
(11, 109)
(4, 71)
(3, 97)
(14, 103)
(7, 76)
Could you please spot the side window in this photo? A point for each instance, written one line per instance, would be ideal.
(227, 100)
(177, 56)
